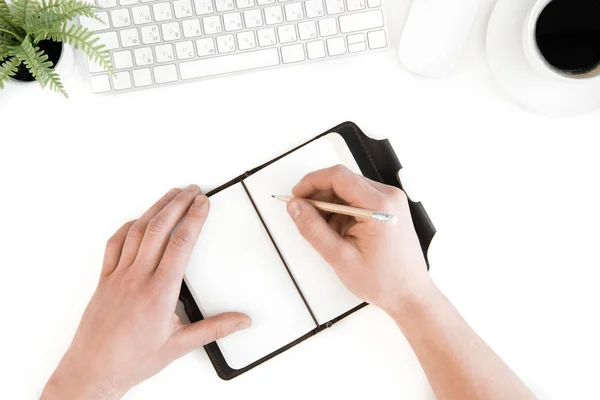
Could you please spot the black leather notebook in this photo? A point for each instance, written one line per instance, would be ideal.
(275, 277)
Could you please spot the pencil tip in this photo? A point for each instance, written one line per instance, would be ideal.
(273, 196)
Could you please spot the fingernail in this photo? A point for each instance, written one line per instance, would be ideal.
(173, 192)
(199, 200)
(193, 188)
(242, 325)
(294, 208)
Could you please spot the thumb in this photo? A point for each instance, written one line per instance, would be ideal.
(200, 333)
(313, 227)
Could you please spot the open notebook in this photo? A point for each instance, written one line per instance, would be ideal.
(250, 257)
(279, 281)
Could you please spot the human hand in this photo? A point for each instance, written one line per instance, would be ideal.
(129, 330)
(382, 264)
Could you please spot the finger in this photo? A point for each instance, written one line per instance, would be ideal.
(325, 195)
(311, 225)
(339, 223)
(160, 227)
(348, 186)
(383, 188)
(180, 246)
(114, 246)
(201, 333)
(136, 232)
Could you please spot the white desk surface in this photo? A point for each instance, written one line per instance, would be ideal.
(514, 196)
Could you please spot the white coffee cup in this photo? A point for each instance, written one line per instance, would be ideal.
(536, 58)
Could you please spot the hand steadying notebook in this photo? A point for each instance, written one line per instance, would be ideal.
(236, 267)
(250, 257)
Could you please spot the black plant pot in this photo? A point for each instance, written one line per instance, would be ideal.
(51, 48)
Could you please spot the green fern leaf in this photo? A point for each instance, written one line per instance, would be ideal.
(81, 38)
(7, 20)
(33, 58)
(53, 15)
(9, 68)
(22, 8)
(37, 63)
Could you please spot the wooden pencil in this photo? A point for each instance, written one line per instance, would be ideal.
(346, 210)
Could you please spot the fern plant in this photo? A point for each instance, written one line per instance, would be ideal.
(25, 23)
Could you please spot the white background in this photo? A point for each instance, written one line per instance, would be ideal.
(514, 196)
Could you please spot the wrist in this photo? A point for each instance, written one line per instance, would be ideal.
(74, 383)
(411, 300)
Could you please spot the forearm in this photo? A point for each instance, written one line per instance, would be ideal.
(457, 362)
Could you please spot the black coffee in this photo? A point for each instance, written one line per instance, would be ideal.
(568, 35)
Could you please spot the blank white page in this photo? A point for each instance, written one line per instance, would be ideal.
(326, 295)
(235, 267)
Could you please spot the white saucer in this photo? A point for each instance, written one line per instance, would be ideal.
(508, 62)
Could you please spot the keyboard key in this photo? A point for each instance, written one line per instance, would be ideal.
(314, 8)
(142, 77)
(335, 6)
(264, 2)
(121, 80)
(294, 12)
(143, 56)
(122, 59)
(127, 2)
(120, 18)
(95, 25)
(224, 5)
(171, 31)
(212, 25)
(287, 34)
(361, 21)
(204, 7)
(374, 3)
(164, 53)
(227, 64)
(165, 73)
(183, 8)
(266, 37)
(357, 47)
(358, 38)
(377, 39)
(356, 5)
(232, 22)
(184, 50)
(336, 46)
(107, 4)
(141, 15)
(129, 37)
(226, 43)
(150, 34)
(205, 47)
(108, 39)
(253, 18)
(308, 30)
(162, 12)
(191, 28)
(328, 27)
(246, 40)
(245, 3)
(293, 53)
(273, 15)
(100, 84)
(315, 49)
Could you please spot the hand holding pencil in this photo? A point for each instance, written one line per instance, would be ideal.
(379, 262)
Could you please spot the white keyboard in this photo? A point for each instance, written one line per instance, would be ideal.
(156, 42)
